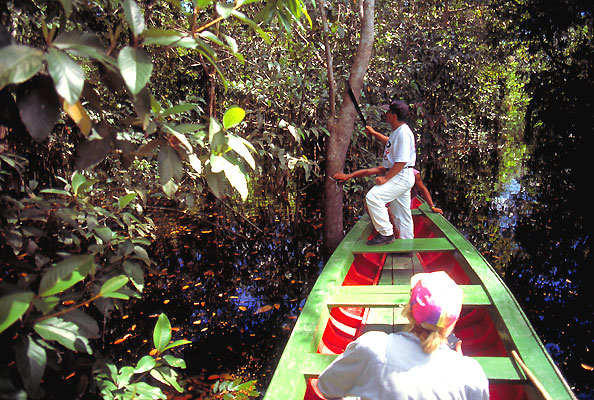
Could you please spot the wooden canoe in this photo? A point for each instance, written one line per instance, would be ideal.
(363, 288)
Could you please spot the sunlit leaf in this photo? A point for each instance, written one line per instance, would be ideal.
(174, 361)
(64, 332)
(109, 288)
(136, 68)
(79, 115)
(12, 307)
(68, 76)
(134, 16)
(177, 343)
(18, 64)
(162, 333)
(239, 146)
(233, 116)
(146, 363)
(65, 274)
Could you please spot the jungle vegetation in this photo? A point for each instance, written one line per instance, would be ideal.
(110, 107)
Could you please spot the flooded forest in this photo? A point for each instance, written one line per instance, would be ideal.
(165, 174)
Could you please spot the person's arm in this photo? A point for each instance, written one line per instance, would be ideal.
(425, 194)
(341, 177)
(382, 138)
(396, 168)
(339, 378)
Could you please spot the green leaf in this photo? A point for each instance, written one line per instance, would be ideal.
(162, 333)
(125, 200)
(169, 165)
(225, 9)
(238, 180)
(146, 363)
(167, 376)
(18, 64)
(112, 285)
(134, 16)
(67, 4)
(214, 128)
(177, 343)
(135, 273)
(12, 307)
(239, 146)
(136, 68)
(174, 361)
(180, 108)
(83, 44)
(87, 326)
(233, 116)
(64, 332)
(66, 274)
(68, 76)
(31, 359)
(143, 390)
(162, 37)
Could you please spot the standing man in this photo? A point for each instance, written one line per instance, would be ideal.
(393, 187)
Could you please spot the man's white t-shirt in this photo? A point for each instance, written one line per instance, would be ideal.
(400, 148)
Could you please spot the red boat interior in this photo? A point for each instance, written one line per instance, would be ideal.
(475, 327)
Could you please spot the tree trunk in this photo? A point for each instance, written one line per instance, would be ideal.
(341, 131)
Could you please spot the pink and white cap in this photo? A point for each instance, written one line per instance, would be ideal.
(436, 300)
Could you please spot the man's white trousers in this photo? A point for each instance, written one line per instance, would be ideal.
(396, 192)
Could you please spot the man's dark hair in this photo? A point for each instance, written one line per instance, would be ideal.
(400, 108)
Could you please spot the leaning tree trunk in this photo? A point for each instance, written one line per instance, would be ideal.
(341, 131)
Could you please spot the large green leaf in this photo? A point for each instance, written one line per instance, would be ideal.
(136, 68)
(83, 44)
(68, 76)
(18, 64)
(31, 360)
(169, 165)
(12, 307)
(66, 274)
(162, 333)
(134, 16)
(64, 332)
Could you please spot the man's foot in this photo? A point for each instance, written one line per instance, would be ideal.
(380, 239)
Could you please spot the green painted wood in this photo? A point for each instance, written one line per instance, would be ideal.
(389, 295)
(288, 381)
(521, 332)
(405, 246)
(496, 368)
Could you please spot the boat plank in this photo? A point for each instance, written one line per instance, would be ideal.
(496, 368)
(390, 295)
(405, 246)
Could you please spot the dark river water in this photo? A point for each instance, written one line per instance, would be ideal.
(233, 279)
